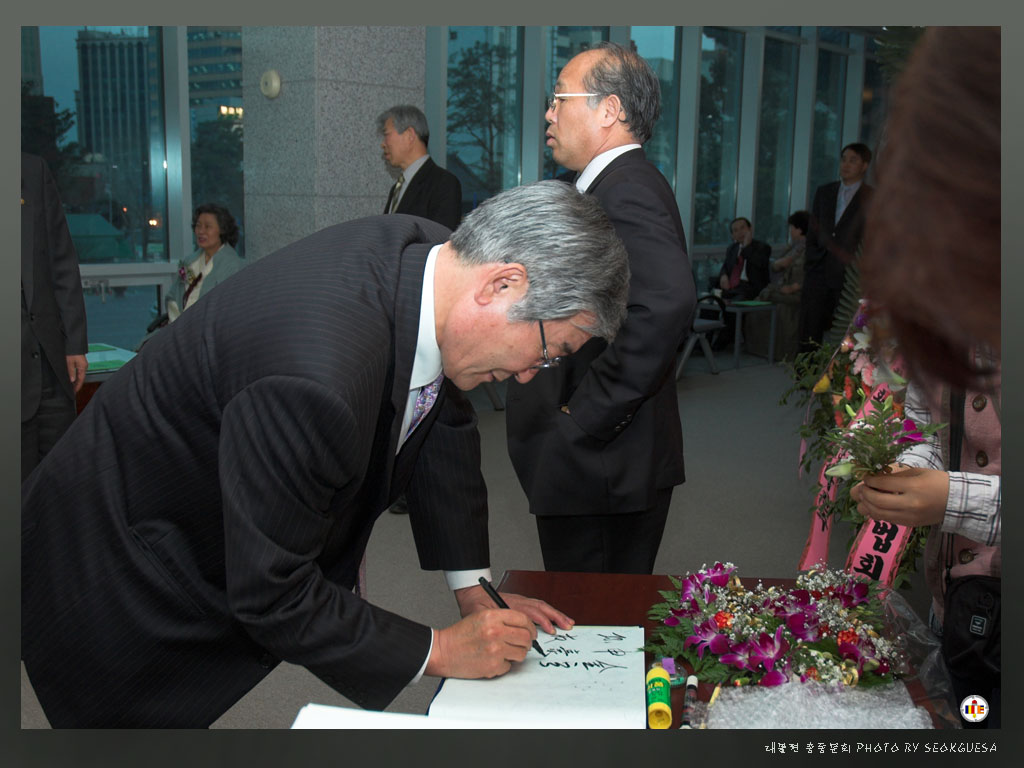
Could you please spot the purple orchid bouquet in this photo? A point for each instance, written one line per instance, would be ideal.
(824, 629)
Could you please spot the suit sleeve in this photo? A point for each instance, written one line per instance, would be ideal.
(662, 299)
(445, 204)
(446, 494)
(814, 250)
(67, 281)
(287, 447)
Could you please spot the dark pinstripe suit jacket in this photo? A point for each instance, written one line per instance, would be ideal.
(207, 513)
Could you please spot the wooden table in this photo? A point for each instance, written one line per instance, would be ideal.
(624, 599)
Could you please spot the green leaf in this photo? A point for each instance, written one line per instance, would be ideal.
(842, 469)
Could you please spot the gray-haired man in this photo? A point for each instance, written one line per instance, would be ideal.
(422, 187)
(597, 442)
(212, 504)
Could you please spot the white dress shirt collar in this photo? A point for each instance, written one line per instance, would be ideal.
(599, 163)
(427, 363)
(852, 188)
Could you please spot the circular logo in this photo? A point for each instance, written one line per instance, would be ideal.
(974, 709)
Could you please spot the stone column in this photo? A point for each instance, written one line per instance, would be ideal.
(312, 155)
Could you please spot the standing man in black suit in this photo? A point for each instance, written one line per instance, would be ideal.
(746, 268)
(207, 513)
(53, 328)
(423, 188)
(836, 228)
(597, 442)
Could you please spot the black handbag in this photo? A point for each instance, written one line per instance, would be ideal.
(971, 631)
(971, 636)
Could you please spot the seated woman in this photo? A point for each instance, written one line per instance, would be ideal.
(785, 293)
(214, 259)
(791, 264)
(213, 262)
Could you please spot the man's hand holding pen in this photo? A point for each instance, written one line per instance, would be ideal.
(488, 639)
(484, 644)
(475, 598)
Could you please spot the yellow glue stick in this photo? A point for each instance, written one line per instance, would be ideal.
(659, 698)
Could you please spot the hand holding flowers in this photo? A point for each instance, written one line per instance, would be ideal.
(855, 425)
(911, 496)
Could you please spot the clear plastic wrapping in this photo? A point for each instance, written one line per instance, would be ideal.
(815, 705)
(922, 658)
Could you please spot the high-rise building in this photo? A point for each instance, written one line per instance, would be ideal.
(214, 74)
(120, 121)
(31, 62)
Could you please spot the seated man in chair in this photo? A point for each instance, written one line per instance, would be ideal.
(745, 271)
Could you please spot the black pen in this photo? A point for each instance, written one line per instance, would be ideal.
(502, 604)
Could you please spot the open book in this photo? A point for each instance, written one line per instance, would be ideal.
(589, 677)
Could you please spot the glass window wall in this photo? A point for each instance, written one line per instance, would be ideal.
(718, 132)
(827, 137)
(92, 107)
(660, 47)
(484, 110)
(775, 143)
(874, 105)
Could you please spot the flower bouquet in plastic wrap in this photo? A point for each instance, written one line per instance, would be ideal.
(833, 632)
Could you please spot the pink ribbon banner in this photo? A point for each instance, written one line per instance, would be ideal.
(878, 546)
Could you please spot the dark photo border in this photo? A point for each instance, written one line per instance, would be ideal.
(286, 749)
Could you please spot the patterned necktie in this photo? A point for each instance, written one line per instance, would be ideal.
(188, 291)
(424, 402)
(394, 193)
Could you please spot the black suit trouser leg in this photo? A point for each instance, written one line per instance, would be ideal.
(626, 543)
(817, 307)
(40, 433)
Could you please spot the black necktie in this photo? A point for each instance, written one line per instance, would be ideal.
(394, 193)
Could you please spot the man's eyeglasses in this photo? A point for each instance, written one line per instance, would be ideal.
(557, 97)
(547, 362)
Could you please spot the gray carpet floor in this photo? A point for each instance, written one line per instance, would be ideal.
(743, 501)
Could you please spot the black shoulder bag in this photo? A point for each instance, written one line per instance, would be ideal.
(971, 625)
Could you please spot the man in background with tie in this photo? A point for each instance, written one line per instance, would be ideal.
(836, 228)
(597, 443)
(205, 517)
(423, 188)
(745, 271)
